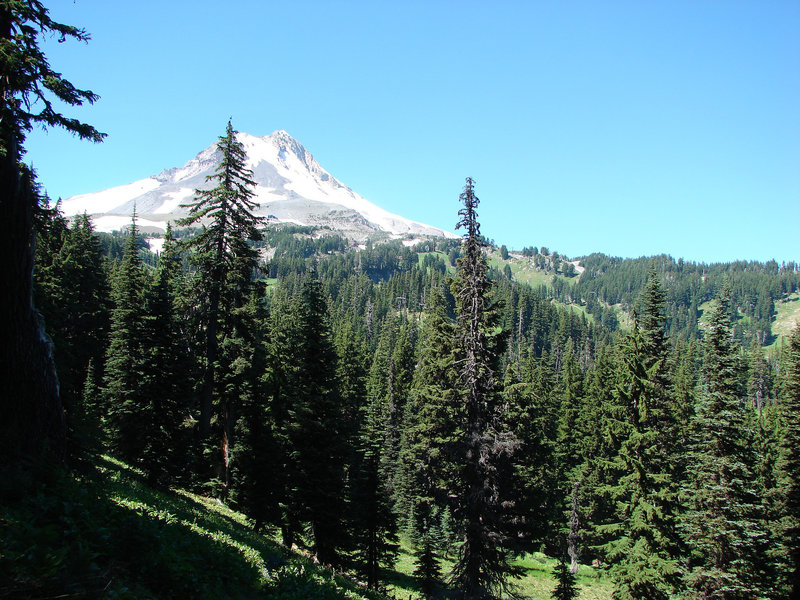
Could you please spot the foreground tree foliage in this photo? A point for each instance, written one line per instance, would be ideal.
(129, 416)
(72, 293)
(315, 433)
(425, 473)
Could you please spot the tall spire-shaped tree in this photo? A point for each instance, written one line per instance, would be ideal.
(225, 263)
(789, 465)
(125, 388)
(483, 565)
(72, 294)
(424, 471)
(315, 444)
(721, 524)
(644, 550)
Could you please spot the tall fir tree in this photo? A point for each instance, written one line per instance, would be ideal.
(425, 471)
(376, 524)
(721, 524)
(601, 470)
(166, 372)
(317, 446)
(225, 263)
(364, 424)
(253, 467)
(644, 551)
(483, 567)
(125, 389)
(789, 467)
(283, 368)
(72, 293)
(566, 586)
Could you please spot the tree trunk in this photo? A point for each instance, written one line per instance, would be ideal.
(572, 539)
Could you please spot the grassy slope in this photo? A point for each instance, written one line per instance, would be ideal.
(523, 270)
(105, 534)
(787, 313)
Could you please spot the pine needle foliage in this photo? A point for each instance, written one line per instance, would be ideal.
(644, 552)
(483, 453)
(221, 252)
(34, 423)
(789, 466)
(29, 85)
(426, 474)
(566, 586)
(722, 524)
(125, 389)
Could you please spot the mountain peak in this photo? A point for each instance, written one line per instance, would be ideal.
(290, 186)
(281, 134)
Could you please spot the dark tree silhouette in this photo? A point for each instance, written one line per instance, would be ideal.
(33, 418)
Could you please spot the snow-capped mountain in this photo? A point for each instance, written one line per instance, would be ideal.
(291, 187)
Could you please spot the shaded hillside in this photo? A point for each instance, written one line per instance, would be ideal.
(104, 533)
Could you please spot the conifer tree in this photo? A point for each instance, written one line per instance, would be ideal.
(601, 471)
(364, 423)
(721, 524)
(315, 427)
(225, 264)
(570, 433)
(789, 467)
(426, 473)
(483, 566)
(566, 588)
(253, 467)
(644, 550)
(684, 374)
(376, 524)
(166, 371)
(92, 400)
(282, 371)
(125, 389)
(72, 293)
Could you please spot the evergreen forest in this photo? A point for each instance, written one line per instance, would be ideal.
(328, 409)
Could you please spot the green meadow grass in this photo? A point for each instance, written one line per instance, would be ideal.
(537, 582)
(787, 315)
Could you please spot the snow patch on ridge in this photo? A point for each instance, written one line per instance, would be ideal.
(175, 199)
(119, 222)
(108, 200)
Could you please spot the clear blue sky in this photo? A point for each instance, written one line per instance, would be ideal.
(631, 128)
